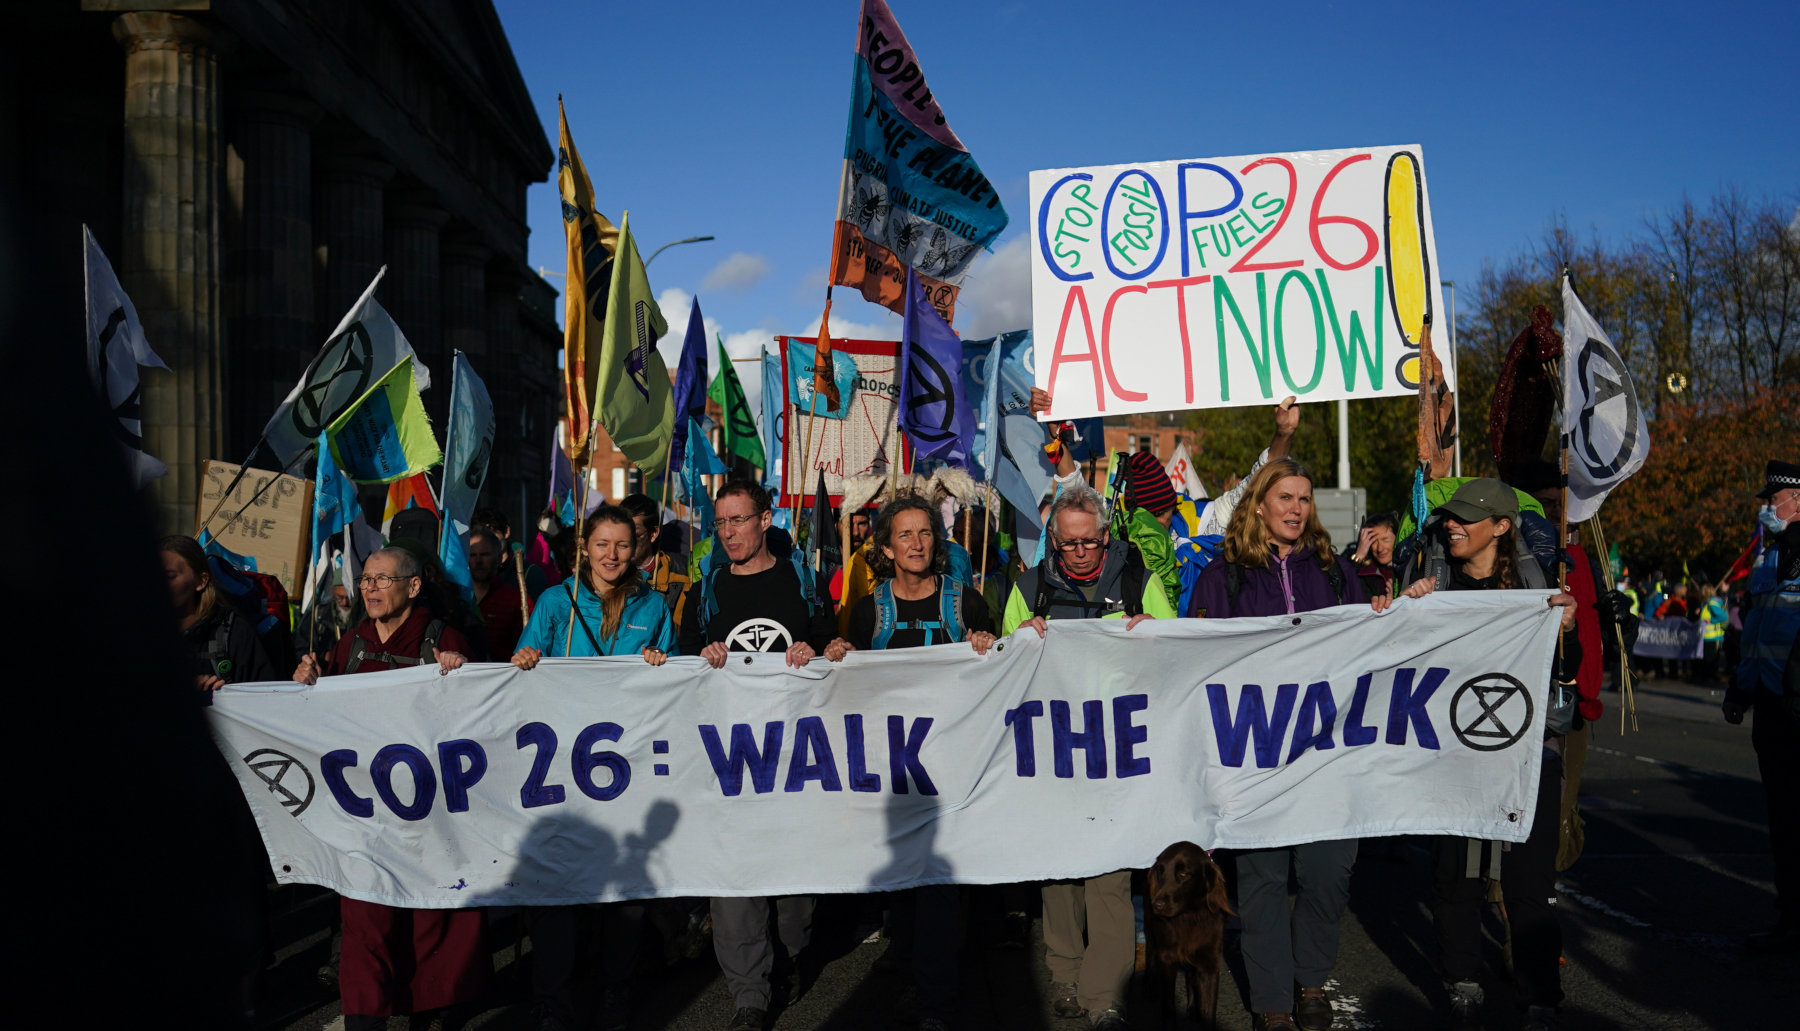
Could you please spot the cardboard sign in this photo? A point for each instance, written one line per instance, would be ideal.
(274, 530)
(863, 441)
(1233, 281)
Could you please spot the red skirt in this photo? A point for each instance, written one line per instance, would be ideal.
(398, 961)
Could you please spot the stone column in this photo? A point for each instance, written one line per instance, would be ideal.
(465, 298)
(349, 227)
(412, 291)
(269, 333)
(169, 254)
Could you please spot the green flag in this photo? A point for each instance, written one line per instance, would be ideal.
(637, 407)
(385, 435)
(741, 438)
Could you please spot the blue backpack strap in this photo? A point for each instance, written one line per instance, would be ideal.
(808, 581)
(884, 614)
(950, 595)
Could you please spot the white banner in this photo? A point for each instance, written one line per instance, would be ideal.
(1086, 751)
(1233, 281)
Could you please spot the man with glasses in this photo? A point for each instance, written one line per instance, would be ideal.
(756, 595)
(395, 960)
(1087, 575)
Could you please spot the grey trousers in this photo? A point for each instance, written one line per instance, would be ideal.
(741, 942)
(1280, 948)
(1090, 939)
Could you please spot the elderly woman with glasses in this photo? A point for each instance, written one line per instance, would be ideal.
(396, 960)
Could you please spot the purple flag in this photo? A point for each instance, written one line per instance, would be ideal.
(934, 413)
(690, 385)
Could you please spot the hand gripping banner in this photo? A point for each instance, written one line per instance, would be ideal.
(1089, 750)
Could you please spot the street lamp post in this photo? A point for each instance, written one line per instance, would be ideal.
(1456, 395)
(672, 243)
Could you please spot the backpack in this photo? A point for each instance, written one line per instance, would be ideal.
(359, 650)
(217, 653)
(1131, 584)
(1234, 583)
(263, 601)
(949, 619)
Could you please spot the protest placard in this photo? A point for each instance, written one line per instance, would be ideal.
(274, 530)
(860, 437)
(1232, 281)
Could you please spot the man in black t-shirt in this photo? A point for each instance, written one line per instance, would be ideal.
(913, 605)
(751, 599)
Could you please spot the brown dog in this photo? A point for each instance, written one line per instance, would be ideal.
(1184, 922)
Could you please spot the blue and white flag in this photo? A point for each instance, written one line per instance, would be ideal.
(334, 506)
(116, 350)
(773, 412)
(1009, 393)
(934, 406)
(467, 446)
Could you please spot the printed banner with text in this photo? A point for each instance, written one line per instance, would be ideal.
(1233, 281)
(1088, 750)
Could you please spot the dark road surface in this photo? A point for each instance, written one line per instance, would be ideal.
(1675, 872)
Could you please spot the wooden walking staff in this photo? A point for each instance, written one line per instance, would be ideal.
(1627, 693)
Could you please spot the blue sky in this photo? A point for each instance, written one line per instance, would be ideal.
(727, 119)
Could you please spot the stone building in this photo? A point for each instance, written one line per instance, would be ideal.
(248, 165)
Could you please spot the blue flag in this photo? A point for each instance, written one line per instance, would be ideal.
(934, 407)
(703, 462)
(468, 444)
(774, 412)
(1011, 354)
(334, 506)
(690, 384)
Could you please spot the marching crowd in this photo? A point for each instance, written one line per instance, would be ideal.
(622, 586)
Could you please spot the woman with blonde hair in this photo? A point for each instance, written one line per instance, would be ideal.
(1277, 560)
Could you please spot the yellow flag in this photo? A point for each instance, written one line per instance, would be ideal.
(593, 240)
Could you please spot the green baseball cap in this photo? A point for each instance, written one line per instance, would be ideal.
(1482, 498)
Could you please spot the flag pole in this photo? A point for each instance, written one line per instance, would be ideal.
(580, 522)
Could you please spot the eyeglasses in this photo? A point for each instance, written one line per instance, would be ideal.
(913, 536)
(380, 581)
(1081, 544)
(734, 521)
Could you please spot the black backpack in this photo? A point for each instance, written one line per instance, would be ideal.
(359, 650)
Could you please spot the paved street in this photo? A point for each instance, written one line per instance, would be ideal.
(1675, 872)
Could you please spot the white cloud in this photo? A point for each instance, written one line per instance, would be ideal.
(996, 294)
(886, 326)
(737, 273)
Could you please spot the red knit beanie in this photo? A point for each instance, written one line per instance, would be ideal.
(1147, 485)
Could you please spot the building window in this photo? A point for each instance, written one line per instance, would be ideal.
(1145, 443)
(618, 482)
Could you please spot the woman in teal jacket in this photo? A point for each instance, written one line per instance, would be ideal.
(617, 613)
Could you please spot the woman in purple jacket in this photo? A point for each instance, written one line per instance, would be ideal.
(1277, 560)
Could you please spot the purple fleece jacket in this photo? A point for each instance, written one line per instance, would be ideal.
(1294, 584)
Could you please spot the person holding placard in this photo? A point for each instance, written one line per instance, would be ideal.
(398, 961)
(915, 604)
(1089, 941)
(1473, 544)
(614, 613)
(1277, 560)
